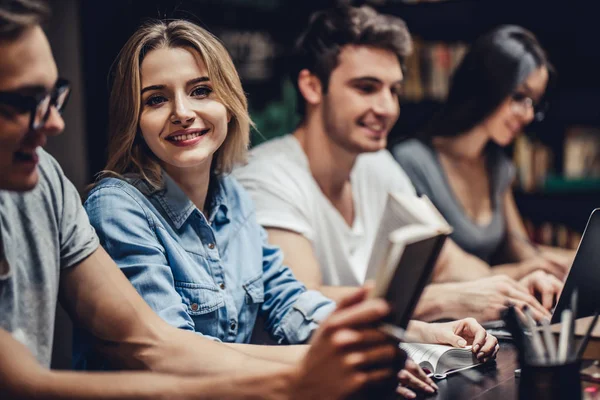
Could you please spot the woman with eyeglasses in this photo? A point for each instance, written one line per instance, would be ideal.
(458, 161)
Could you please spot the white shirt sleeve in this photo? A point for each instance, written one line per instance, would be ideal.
(280, 195)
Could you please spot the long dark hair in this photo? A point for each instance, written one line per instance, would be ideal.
(495, 65)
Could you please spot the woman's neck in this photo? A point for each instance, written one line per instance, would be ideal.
(467, 147)
(193, 181)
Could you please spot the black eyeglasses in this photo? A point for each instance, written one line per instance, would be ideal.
(521, 102)
(39, 105)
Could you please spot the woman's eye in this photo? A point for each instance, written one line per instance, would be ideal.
(155, 100)
(202, 91)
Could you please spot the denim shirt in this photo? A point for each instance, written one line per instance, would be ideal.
(212, 276)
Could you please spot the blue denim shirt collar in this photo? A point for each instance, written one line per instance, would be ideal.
(178, 206)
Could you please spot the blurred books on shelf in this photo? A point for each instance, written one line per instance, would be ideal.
(581, 163)
(428, 69)
(582, 153)
(534, 162)
(549, 234)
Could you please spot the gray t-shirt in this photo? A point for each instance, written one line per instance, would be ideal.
(41, 232)
(422, 165)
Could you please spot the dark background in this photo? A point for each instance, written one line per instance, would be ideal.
(87, 35)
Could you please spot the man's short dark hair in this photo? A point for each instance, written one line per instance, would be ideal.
(16, 16)
(318, 47)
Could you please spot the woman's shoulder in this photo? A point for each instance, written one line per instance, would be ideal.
(413, 152)
(116, 191)
(415, 157)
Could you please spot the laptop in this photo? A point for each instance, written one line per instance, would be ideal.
(584, 274)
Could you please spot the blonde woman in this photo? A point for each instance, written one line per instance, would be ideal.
(180, 228)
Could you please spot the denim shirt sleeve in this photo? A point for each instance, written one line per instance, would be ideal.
(127, 232)
(291, 312)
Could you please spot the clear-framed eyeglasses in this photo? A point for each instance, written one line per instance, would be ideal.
(521, 103)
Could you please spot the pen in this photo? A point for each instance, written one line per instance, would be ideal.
(587, 336)
(536, 341)
(549, 339)
(571, 349)
(563, 341)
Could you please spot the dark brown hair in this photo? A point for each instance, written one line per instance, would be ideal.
(318, 47)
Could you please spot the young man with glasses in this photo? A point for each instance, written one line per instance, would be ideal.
(48, 250)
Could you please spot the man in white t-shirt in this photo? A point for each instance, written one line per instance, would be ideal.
(320, 191)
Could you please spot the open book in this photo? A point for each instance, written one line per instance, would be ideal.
(440, 360)
(410, 236)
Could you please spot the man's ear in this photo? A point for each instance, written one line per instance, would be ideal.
(310, 87)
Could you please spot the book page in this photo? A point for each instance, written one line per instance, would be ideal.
(401, 210)
(442, 359)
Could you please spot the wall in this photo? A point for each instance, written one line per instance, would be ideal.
(69, 148)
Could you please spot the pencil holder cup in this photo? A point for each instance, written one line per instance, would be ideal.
(550, 382)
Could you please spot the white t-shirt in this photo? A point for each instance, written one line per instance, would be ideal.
(286, 196)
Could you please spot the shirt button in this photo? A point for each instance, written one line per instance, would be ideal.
(232, 325)
(194, 306)
(222, 286)
(211, 246)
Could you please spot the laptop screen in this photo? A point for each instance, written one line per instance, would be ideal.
(584, 273)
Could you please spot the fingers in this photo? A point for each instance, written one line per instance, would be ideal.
(412, 379)
(374, 356)
(344, 338)
(488, 349)
(354, 298)
(476, 331)
(547, 286)
(414, 368)
(363, 313)
(518, 297)
(406, 392)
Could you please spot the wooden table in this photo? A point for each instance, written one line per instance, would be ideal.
(499, 380)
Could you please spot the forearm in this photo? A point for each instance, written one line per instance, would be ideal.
(200, 356)
(455, 265)
(291, 354)
(23, 378)
(140, 385)
(513, 270)
(435, 302)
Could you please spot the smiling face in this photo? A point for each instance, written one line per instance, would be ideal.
(517, 111)
(181, 120)
(26, 67)
(361, 104)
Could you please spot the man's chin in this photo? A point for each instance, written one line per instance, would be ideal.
(16, 183)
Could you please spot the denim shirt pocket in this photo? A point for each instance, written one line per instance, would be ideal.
(202, 303)
(255, 297)
(255, 290)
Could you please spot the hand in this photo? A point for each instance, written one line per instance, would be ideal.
(460, 333)
(413, 377)
(485, 298)
(549, 262)
(547, 286)
(348, 354)
(564, 259)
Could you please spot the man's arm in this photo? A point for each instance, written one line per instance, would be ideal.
(101, 299)
(21, 377)
(299, 256)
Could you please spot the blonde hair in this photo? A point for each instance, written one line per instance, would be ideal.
(127, 150)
